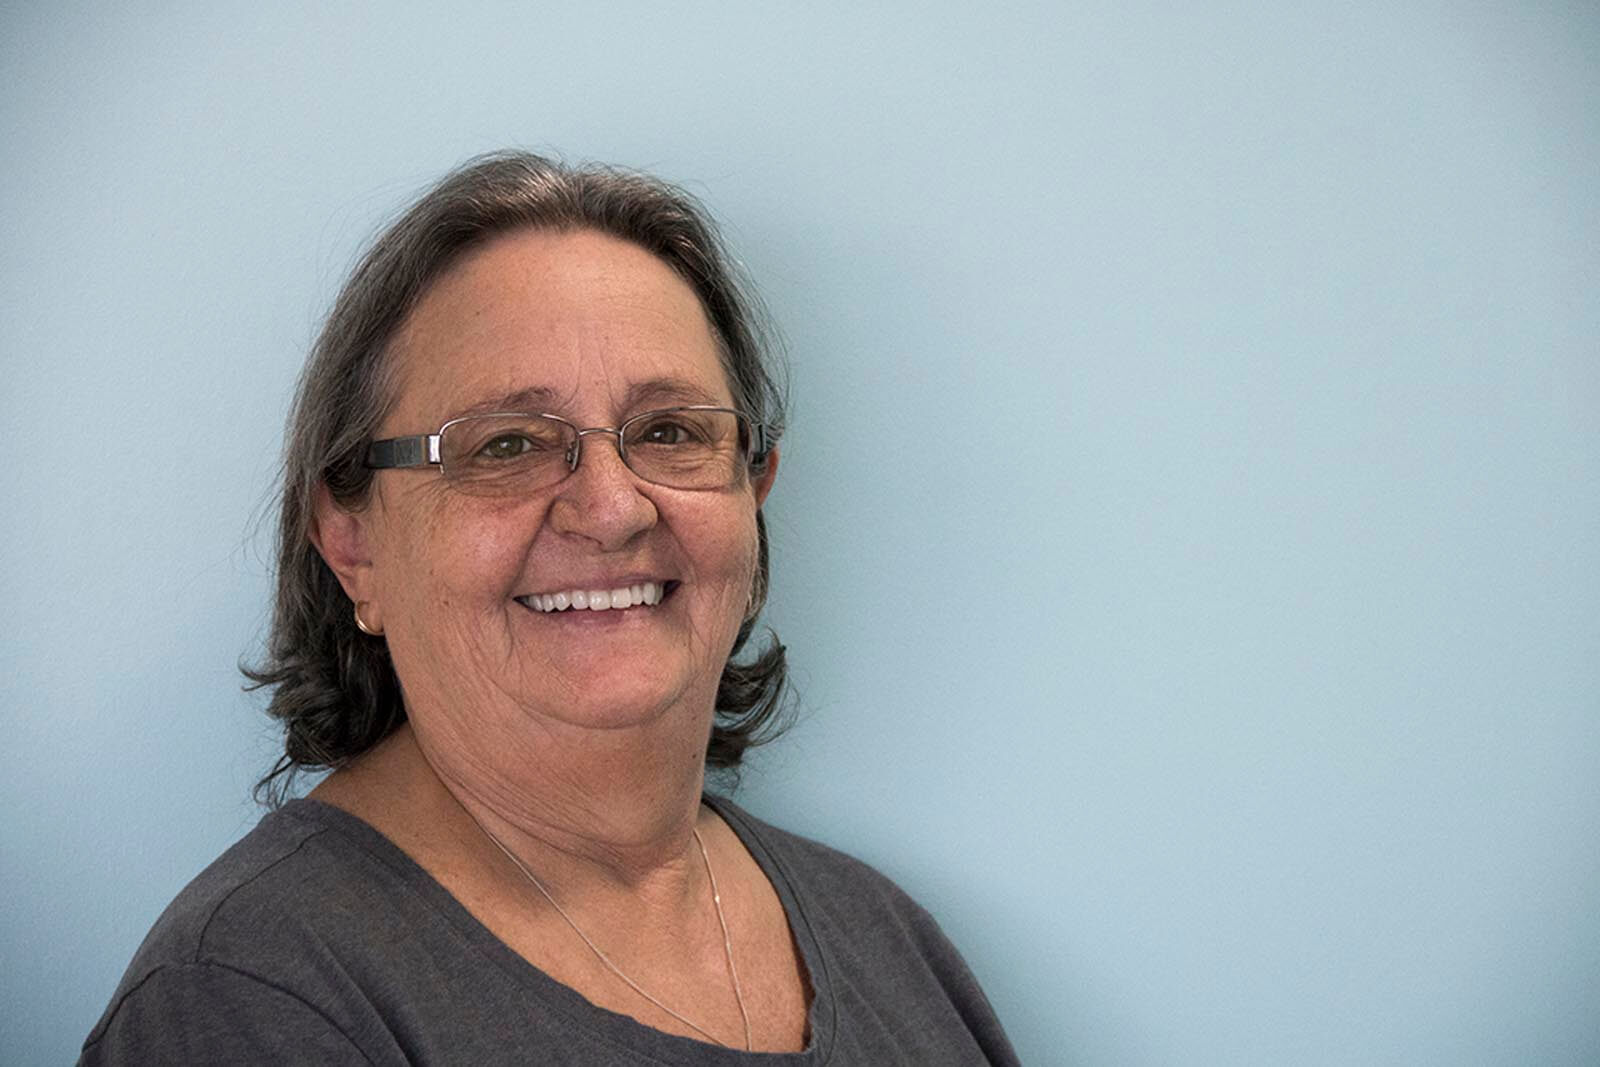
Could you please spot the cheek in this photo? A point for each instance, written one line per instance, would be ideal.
(727, 553)
(448, 558)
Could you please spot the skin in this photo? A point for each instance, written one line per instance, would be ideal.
(576, 738)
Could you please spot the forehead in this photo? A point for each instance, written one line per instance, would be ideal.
(578, 323)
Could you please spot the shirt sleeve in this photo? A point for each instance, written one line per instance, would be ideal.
(210, 1013)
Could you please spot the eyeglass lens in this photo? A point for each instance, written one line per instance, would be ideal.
(506, 454)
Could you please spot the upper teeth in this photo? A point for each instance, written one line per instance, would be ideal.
(595, 599)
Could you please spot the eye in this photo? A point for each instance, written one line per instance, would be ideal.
(506, 446)
(503, 453)
(665, 432)
(672, 428)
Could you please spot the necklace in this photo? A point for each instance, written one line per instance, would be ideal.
(716, 903)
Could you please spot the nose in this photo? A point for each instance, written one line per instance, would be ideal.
(602, 500)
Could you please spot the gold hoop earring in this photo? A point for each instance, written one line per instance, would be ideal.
(362, 626)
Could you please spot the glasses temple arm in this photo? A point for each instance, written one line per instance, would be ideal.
(419, 451)
(762, 441)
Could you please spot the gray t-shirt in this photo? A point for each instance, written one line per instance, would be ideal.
(316, 940)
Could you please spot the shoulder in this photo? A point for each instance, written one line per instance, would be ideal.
(236, 937)
(811, 860)
(205, 1012)
(875, 954)
(292, 858)
(835, 889)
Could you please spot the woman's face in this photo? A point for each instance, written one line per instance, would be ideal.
(593, 329)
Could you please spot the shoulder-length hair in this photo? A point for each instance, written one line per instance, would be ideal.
(333, 688)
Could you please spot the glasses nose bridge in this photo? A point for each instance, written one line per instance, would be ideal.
(580, 432)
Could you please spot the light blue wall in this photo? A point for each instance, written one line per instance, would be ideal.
(1188, 540)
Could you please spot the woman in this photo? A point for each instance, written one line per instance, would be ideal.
(521, 545)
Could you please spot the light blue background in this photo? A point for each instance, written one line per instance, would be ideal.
(1188, 541)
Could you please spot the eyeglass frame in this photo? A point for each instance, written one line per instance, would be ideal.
(422, 450)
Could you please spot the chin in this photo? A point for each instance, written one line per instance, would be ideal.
(613, 696)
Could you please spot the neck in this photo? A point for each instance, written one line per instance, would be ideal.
(609, 810)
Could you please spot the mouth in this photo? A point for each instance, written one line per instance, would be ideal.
(616, 598)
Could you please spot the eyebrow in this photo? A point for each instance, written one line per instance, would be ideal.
(532, 399)
(541, 398)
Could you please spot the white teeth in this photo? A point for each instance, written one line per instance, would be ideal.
(628, 596)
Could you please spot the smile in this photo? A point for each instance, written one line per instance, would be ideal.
(647, 594)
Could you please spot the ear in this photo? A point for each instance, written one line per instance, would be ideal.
(343, 539)
(762, 482)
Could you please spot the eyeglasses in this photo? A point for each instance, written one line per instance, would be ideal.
(505, 454)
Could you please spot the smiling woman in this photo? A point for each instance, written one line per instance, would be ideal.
(522, 550)
(597, 326)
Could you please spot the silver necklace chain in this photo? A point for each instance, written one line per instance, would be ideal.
(716, 903)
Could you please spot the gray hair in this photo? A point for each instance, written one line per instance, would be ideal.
(333, 688)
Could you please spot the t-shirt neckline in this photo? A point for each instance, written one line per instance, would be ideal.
(609, 1026)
